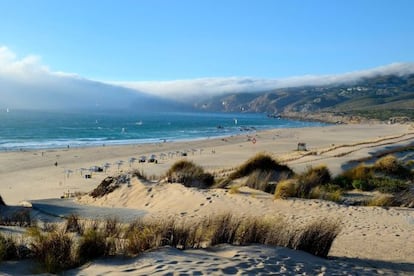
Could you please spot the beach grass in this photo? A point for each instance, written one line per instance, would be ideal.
(58, 250)
(189, 174)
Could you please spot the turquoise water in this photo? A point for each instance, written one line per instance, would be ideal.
(37, 130)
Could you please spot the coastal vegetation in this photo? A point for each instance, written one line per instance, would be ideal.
(262, 173)
(58, 247)
(388, 176)
(189, 174)
(57, 250)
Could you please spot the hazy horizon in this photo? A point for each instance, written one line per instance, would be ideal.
(98, 54)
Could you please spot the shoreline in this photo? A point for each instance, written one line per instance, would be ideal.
(32, 175)
(152, 141)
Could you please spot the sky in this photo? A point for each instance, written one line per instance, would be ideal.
(150, 41)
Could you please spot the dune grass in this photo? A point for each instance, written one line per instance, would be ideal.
(56, 251)
(260, 162)
(286, 188)
(262, 173)
(311, 178)
(189, 174)
(8, 248)
(52, 250)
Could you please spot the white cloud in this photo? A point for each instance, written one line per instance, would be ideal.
(26, 83)
(188, 89)
(11, 66)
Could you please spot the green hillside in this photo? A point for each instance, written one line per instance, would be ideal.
(379, 97)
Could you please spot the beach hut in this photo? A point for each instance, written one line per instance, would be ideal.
(302, 147)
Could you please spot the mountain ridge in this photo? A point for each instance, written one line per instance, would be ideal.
(377, 97)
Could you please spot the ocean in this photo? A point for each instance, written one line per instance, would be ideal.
(22, 130)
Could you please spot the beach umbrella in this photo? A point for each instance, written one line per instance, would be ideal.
(119, 163)
(82, 170)
(68, 172)
(107, 166)
(131, 160)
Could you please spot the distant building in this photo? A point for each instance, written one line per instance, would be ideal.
(302, 147)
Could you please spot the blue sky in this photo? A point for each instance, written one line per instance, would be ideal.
(168, 40)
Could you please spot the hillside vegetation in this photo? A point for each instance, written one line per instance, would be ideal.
(379, 97)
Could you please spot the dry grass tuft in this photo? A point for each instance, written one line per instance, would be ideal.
(56, 250)
(73, 224)
(317, 237)
(93, 244)
(189, 174)
(381, 200)
(286, 188)
(8, 248)
(260, 162)
(313, 177)
(234, 189)
(329, 192)
(53, 250)
(360, 172)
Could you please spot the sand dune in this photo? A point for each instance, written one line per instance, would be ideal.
(367, 232)
(373, 240)
(233, 260)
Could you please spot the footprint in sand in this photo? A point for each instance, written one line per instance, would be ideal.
(230, 270)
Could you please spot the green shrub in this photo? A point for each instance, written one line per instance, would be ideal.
(361, 184)
(343, 182)
(388, 185)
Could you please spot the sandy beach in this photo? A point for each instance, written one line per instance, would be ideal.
(373, 240)
(29, 175)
